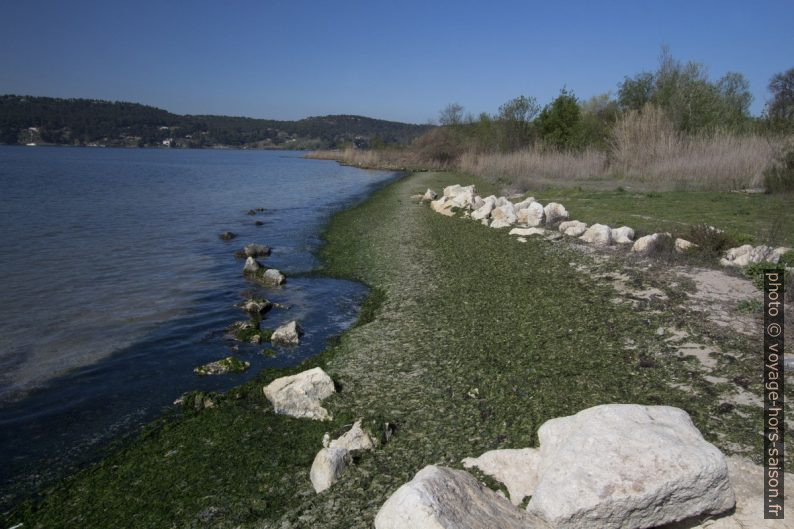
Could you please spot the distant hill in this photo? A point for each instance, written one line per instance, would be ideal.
(47, 120)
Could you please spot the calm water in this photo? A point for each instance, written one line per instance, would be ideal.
(115, 284)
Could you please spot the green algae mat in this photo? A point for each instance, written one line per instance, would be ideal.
(468, 342)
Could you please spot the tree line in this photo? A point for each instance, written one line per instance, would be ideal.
(25, 119)
(691, 102)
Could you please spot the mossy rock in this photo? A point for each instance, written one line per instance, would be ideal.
(230, 364)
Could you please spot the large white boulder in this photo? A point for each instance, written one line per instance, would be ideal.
(327, 466)
(300, 395)
(526, 232)
(531, 215)
(747, 480)
(555, 212)
(572, 228)
(509, 466)
(287, 334)
(627, 466)
(598, 234)
(622, 235)
(272, 277)
(747, 254)
(443, 498)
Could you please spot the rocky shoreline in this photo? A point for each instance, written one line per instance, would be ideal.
(448, 393)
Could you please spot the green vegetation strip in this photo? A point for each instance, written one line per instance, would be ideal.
(468, 342)
(750, 218)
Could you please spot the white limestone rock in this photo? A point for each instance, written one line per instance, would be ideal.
(627, 466)
(504, 213)
(747, 480)
(484, 211)
(443, 498)
(747, 254)
(682, 245)
(555, 213)
(500, 223)
(622, 235)
(429, 195)
(521, 239)
(509, 467)
(572, 228)
(300, 395)
(531, 215)
(354, 439)
(597, 234)
(646, 244)
(527, 232)
(443, 205)
(328, 466)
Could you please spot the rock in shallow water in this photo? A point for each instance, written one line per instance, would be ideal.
(256, 250)
(287, 334)
(229, 364)
(300, 395)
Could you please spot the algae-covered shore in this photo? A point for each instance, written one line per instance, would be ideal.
(468, 341)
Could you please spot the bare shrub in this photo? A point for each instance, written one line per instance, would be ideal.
(536, 165)
(647, 148)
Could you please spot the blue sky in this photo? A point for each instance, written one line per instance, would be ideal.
(393, 60)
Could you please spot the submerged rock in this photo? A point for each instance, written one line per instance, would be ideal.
(256, 250)
(270, 277)
(229, 364)
(443, 498)
(300, 395)
(256, 306)
(287, 334)
(227, 235)
(259, 223)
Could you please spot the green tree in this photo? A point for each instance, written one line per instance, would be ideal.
(559, 123)
(635, 92)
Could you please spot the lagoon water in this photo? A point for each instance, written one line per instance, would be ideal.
(115, 284)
